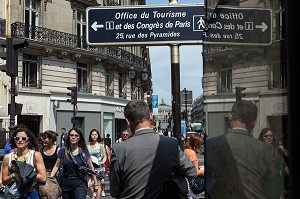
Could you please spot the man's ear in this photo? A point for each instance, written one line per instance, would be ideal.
(151, 116)
(128, 122)
(229, 115)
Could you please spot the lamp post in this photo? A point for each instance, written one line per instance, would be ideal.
(136, 78)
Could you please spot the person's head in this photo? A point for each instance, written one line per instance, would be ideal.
(267, 136)
(194, 142)
(94, 136)
(245, 113)
(125, 134)
(284, 140)
(75, 137)
(108, 135)
(63, 130)
(49, 137)
(137, 115)
(23, 138)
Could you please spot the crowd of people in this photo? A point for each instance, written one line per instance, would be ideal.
(83, 166)
(142, 160)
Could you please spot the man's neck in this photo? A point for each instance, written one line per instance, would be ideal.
(238, 124)
(144, 124)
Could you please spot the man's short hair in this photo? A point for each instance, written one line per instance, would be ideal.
(137, 112)
(246, 112)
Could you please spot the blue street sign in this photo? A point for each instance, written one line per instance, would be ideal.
(154, 102)
(177, 24)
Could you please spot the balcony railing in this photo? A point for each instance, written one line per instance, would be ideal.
(70, 41)
(2, 27)
(110, 92)
(122, 95)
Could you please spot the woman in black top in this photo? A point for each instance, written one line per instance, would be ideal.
(49, 150)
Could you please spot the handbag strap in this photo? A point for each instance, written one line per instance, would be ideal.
(83, 168)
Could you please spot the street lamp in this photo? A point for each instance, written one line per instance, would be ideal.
(145, 74)
(136, 78)
(131, 72)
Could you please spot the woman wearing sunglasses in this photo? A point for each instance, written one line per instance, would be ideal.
(74, 157)
(24, 141)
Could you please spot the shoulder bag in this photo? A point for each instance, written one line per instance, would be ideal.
(176, 188)
(50, 190)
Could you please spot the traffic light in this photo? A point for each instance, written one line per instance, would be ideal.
(11, 54)
(73, 95)
(238, 93)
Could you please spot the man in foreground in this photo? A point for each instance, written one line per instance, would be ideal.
(140, 166)
(239, 166)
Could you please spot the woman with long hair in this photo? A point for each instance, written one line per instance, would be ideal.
(267, 136)
(192, 148)
(98, 155)
(27, 152)
(74, 157)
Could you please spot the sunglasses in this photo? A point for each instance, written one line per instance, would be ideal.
(74, 135)
(21, 138)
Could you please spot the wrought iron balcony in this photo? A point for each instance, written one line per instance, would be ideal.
(72, 42)
(110, 92)
(110, 3)
(122, 95)
(2, 27)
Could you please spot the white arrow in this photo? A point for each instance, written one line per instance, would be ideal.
(263, 26)
(95, 26)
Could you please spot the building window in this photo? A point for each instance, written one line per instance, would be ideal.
(122, 81)
(225, 73)
(83, 78)
(278, 76)
(81, 29)
(31, 17)
(109, 87)
(31, 72)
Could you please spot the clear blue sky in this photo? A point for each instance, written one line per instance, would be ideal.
(191, 69)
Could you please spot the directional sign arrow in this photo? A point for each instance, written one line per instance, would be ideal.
(95, 26)
(263, 26)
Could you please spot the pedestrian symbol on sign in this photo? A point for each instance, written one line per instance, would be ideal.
(198, 23)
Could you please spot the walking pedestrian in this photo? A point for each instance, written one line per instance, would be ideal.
(125, 135)
(14, 169)
(74, 156)
(50, 150)
(98, 156)
(63, 137)
(141, 165)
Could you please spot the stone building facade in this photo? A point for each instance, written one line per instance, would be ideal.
(58, 57)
